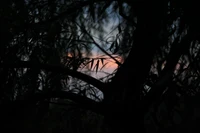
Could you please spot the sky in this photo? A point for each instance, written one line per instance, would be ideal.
(110, 32)
(109, 66)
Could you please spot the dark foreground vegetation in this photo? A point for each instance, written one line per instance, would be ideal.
(46, 46)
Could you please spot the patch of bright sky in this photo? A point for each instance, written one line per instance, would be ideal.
(109, 34)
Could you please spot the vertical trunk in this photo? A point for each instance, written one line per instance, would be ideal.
(127, 83)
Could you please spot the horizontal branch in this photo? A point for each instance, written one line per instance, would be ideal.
(56, 68)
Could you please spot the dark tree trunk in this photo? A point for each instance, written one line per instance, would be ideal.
(126, 86)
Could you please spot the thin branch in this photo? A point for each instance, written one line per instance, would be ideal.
(74, 7)
(77, 5)
(104, 51)
(167, 73)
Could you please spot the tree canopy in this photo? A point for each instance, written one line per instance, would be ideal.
(50, 51)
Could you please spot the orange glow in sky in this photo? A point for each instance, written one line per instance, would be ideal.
(107, 67)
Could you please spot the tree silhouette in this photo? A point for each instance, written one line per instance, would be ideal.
(46, 45)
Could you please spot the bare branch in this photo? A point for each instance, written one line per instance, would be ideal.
(56, 68)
